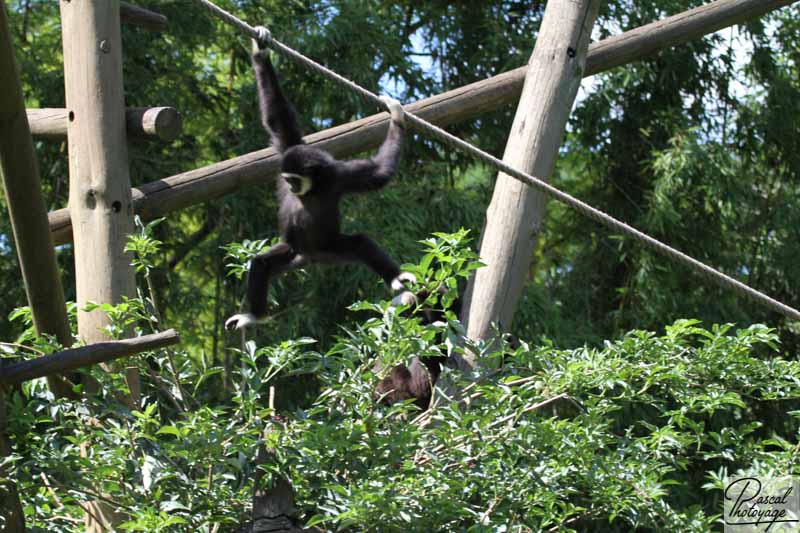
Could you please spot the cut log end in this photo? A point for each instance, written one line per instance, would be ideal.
(147, 123)
(161, 122)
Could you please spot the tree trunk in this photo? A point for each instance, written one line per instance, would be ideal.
(515, 214)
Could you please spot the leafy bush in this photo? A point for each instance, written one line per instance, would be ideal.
(637, 434)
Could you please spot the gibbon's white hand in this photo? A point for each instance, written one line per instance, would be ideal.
(264, 36)
(395, 109)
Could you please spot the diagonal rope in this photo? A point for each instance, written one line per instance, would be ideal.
(540, 185)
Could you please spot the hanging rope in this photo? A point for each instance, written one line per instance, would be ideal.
(542, 186)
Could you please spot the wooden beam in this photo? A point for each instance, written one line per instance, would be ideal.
(93, 354)
(514, 217)
(26, 206)
(162, 123)
(163, 196)
(686, 26)
(143, 18)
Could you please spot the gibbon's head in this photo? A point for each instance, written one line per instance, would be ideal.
(306, 169)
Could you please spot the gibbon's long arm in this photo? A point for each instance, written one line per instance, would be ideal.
(277, 114)
(363, 175)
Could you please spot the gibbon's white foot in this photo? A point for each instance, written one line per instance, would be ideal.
(395, 109)
(403, 277)
(243, 320)
(404, 298)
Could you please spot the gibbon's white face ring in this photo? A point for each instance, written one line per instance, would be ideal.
(298, 184)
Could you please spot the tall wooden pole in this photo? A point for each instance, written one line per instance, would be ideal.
(514, 216)
(99, 180)
(100, 187)
(26, 206)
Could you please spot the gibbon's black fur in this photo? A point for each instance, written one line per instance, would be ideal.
(311, 184)
(417, 379)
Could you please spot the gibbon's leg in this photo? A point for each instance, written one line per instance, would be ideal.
(277, 260)
(277, 114)
(363, 249)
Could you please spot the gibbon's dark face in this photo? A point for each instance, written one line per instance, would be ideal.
(306, 169)
(298, 184)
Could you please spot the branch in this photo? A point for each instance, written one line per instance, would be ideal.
(69, 360)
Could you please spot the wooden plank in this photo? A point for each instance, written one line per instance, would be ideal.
(93, 354)
(143, 18)
(100, 194)
(161, 123)
(514, 217)
(163, 196)
(26, 206)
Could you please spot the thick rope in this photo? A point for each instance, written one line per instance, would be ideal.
(540, 185)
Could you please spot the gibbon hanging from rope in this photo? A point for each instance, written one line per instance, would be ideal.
(265, 38)
(311, 184)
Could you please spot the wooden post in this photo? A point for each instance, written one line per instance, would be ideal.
(100, 187)
(163, 196)
(99, 184)
(515, 213)
(26, 206)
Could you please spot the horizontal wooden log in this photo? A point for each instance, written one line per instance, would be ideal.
(163, 123)
(141, 17)
(163, 196)
(72, 359)
(685, 26)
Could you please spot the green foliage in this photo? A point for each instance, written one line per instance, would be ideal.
(242, 253)
(637, 434)
(144, 245)
(621, 438)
